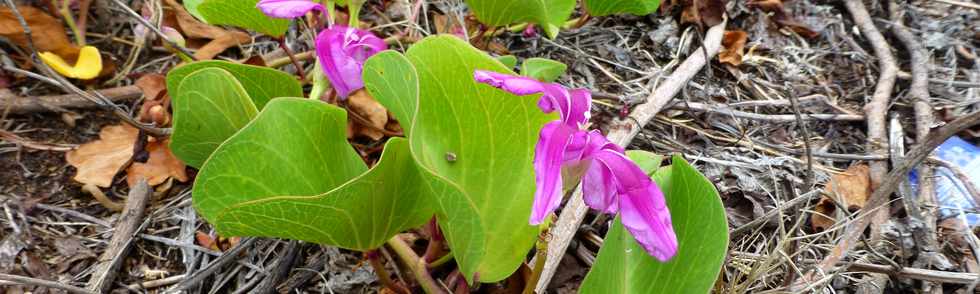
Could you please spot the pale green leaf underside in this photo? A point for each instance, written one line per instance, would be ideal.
(550, 14)
(490, 133)
(510, 61)
(622, 266)
(243, 14)
(210, 105)
(191, 6)
(292, 174)
(607, 7)
(261, 83)
(543, 69)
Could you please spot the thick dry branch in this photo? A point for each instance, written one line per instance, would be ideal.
(879, 198)
(18, 104)
(129, 223)
(622, 133)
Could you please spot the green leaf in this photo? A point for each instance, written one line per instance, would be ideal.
(209, 106)
(491, 136)
(291, 173)
(550, 14)
(622, 266)
(244, 14)
(191, 6)
(543, 69)
(261, 83)
(508, 60)
(607, 7)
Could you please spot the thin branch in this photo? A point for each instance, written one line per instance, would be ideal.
(42, 283)
(879, 198)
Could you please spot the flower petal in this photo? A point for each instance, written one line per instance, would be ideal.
(288, 8)
(342, 52)
(642, 206)
(573, 107)
(516, 85)
(548, 160)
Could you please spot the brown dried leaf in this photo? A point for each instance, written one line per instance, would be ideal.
(152, 85)
(156, 100)
(703, 12)
(99, 161)
(47, 32)
(221, 39)
(782, 17)
(161, 166)
(850, 188)
(733, 47)
(362, 105)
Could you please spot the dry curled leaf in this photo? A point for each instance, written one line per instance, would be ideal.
(367, 111)
(156, 102)
(782, 17)
(161, 166)
(221, 39)
(99, 161)
(851, 189)
(733, 47)
(701, 12)
(47, 32)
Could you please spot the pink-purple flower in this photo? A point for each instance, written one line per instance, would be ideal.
(288, 8)
(611, 183)
(342, 52)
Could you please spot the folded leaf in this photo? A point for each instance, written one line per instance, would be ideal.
(477, 138)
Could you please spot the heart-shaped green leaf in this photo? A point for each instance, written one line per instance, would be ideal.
(475, 137)
(243, 14)
(550, 14)
(209, 106)
(543, 69)
(213, 99)
(291, 173)
(702, 233)
(607, 7)
(261, 83)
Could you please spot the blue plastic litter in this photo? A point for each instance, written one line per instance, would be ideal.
(953, 198)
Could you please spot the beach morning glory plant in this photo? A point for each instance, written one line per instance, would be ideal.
(612, 183)
(470, 162)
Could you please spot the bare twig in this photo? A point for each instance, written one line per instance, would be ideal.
(146, 23)
(231, 255)
(42, 283)
(924, 223)
(727, 110)
(132, 216)
(877, 107)
(622, 133)
(807, 149)
(879, 197)
(962, 176)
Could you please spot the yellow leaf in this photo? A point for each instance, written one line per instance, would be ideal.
(87, 67)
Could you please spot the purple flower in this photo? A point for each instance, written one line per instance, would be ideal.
(342, 52)
(611, 182)
(288, 8)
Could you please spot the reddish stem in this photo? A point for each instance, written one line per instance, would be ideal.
(299, 69)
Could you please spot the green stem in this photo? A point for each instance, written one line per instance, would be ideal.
(70, 21)
(331, 12)
(355, 12)
(541, 256)
(442, 260)
(415, 264)
(374, 258)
